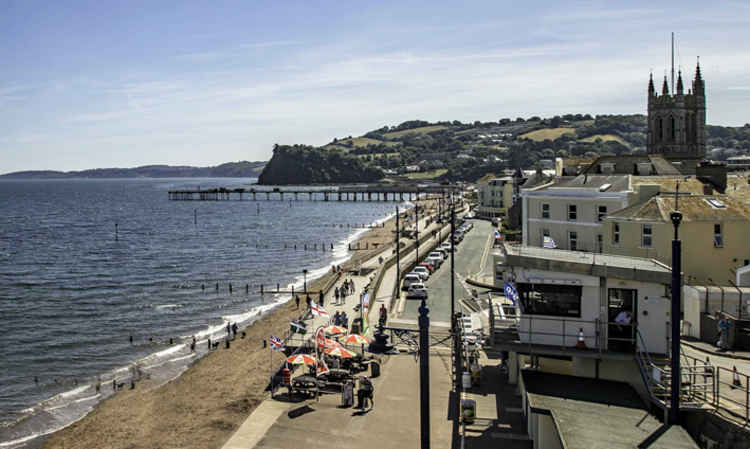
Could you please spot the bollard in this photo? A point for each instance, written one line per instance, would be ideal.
(331, 246)
(292, 290)
(230, 288)
(305, 246)
(247, 288)
(264, 344)
(227, 343)
(277, 287)
(217, 286)
(261, 289)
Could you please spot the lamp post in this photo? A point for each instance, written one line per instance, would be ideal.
(398, 251)
(674, 410)
(304, 273)
(424, 374)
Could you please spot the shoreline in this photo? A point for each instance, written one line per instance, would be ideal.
(200, 380)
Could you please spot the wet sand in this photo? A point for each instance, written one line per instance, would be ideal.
(203, 407)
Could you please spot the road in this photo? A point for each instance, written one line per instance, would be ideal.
(472, 255)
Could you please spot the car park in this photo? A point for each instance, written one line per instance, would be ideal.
(417, 290)
(409, 279)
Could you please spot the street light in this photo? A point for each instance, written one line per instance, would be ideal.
(304, 273)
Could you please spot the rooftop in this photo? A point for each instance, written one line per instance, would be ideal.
(628, 164)
(617, 183)
(693, 207)
(594, 413)
(738, 187)
(668, 183)
(591, 264)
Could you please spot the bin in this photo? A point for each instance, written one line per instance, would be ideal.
(374, 369)
(468, 410)
(356, 326)
(466, 380)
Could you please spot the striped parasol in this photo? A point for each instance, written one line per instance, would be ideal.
(356, 339)
(334, 330)
(301, 359)
(339, 352)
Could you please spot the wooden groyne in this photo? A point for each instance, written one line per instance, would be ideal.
(394, 192)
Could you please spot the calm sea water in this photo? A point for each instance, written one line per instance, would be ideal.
(73, 290)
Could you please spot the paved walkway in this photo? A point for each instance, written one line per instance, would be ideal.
(269, 426)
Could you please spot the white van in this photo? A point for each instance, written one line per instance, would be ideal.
(410, 279)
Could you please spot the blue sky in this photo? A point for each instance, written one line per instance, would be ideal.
(122, 84)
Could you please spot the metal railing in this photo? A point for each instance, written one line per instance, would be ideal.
(563, 332)
(701, 384)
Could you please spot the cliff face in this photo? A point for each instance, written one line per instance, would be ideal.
(302, 164)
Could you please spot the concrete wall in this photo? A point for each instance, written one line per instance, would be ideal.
(618, 370)
(547, 435)
(700, 259)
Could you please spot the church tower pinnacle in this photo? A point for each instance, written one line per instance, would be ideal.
(677, 122)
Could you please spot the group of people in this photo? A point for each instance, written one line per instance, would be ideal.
(364, 393)
(346, 289)
(341, 319)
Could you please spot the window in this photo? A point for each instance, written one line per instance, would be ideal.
(602, 213)
(647, 236)
(718, 239)
(573, 240)
(555, 300)
(545, 210)
(545, 232)
(615, 233)
(572, 212)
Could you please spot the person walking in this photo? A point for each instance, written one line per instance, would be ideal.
(296, 299)
(723, 328)
(383, 315)
(336, 294)
(321, 296)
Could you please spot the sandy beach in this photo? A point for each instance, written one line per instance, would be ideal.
(201, 408)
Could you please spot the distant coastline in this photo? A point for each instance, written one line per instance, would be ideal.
(240, 169)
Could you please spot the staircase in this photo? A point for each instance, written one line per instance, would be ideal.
(697, 379)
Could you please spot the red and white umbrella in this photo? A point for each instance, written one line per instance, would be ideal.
(339, 352)
(301, 359)
(356, 339)
(331, 343)
(334, 330)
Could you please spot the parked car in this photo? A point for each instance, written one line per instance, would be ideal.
(427, 265)
(436, 260)
(446, 246)
(417, 291)
(423, 272)
(410, 278)
(442, 251)
(437, 253)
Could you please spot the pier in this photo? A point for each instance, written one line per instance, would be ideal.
(370, 192)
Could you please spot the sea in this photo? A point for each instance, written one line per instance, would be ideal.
(86, 265)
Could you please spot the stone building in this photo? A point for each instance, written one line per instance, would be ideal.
(677, 123)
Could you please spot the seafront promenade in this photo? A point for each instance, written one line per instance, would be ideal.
(396, 402)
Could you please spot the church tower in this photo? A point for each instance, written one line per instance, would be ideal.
(677, 122)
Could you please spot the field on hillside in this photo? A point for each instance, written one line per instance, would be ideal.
(427, 174)
(605, 138)
(547, 134)
(422, 130)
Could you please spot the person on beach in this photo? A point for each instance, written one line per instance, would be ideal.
(234, 330)
(296, 299)
(365, 392)
(209, 343)
(344, 320)
(336, 318)
(308, 300)
(229, 329)
(192, 344)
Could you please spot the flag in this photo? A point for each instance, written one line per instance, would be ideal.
(318, 310)
(298, 328)
(511, 293)
(276, 343)
(320, 339)
(548, 242)
(321, 367)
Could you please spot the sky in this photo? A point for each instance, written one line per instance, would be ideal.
(95, 84)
